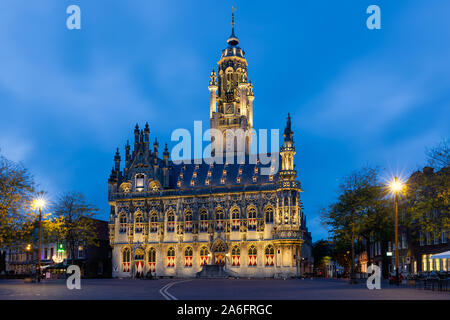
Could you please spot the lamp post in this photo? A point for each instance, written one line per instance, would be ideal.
(396, 186)
(39, 203)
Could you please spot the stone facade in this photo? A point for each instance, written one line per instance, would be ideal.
(171, 219)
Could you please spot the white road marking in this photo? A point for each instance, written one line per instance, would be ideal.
(163, 291)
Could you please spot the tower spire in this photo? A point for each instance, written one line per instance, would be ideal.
(233, 40)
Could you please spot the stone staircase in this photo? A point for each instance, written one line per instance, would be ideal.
(212, 271)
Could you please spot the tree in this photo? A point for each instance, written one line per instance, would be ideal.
(361, 213)
(16, 194)
(320, 250)
(428, 197)
(439, 156)
(74, 216)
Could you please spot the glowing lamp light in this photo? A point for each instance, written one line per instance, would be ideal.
(39, 203)
(396, 185)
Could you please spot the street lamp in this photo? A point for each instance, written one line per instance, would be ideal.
(396, 186)
(39, 202)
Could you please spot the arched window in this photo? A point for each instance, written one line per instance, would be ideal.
(219, 219)
(138, 223)
(188, 221)
(171, 257)
(140, 182)
(252, 256)
(188, 257)
(126, 258)
(235, 256)
(122, 223)
(252, 218)
(153, 222)
(269, 215)
(269, 255)
(170, 221)
(204, 255)
(235, 219)
(152, 259)
(203, 220)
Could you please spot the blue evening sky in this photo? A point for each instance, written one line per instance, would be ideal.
(356, 96)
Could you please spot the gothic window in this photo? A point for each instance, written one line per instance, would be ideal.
(171, 257)
(188, 221)
(219, 219)
(203, 220)
(153, 222)
(269, 215)
(152, 259)
(188, 257)
(269, 255)
(252, 218)
(235, 256)
(204, 254)
(252, 256)
(235, 219)
(170, 221)
(123, 223)
(140, 182)
(138, 223)
(126, 254)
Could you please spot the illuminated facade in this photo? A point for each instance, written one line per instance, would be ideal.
(173, 219)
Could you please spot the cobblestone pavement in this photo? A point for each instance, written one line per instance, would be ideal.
(211, 289)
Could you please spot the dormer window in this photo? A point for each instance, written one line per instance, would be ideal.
(209, 173)
(222, 181)
(178, 184)
(192, 182)
(195, 174)
(140, 182)
(271, 177)
(240, 170)
(254, 178)
(207, 182)
(224, 172)
(238, 179)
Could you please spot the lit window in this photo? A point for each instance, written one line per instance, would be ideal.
(204, 254)
(235, 256)
(269, 215)
(209, 173)
(224, 172)
(179, 183)
(140, 182)
(269, 255)
(254, 178)
(252, 256)
(195, 174)
(271, 178)
(192, 182)
(152, 259)
(171, 257)
(222, 180)
(238, 179)
(188, 257)
(207, 182)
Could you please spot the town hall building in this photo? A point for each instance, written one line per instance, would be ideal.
(177, 219)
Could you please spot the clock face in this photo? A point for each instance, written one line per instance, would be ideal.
(229, 108)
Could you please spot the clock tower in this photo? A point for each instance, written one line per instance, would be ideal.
(231, 100)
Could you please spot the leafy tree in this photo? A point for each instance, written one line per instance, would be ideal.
(74, 218)
(16, 193)
(320, 250)
(428, 199)
(361, 213)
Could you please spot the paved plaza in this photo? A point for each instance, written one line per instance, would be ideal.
(211, 289)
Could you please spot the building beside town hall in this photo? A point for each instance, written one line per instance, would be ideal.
(175, 219)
